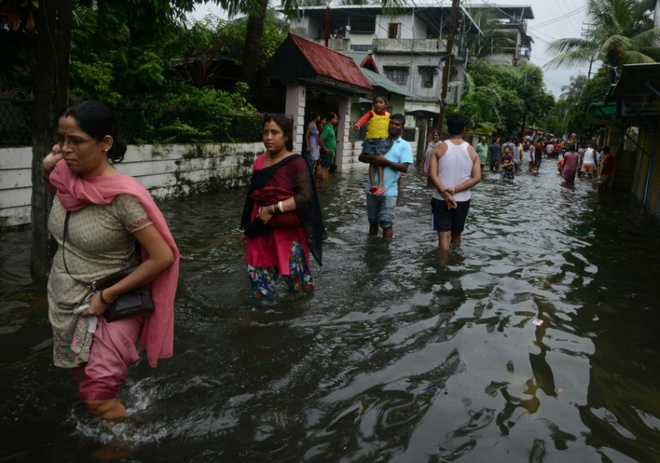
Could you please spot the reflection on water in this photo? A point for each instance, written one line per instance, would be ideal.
(403, 354)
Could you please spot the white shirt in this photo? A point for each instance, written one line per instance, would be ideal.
(455, 167)
(589, 157)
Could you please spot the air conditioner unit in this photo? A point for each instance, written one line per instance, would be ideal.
(525, 52)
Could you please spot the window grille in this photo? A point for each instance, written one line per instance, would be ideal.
(427, 74)
(398, 75)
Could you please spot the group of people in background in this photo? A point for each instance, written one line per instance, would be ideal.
(513, 156)
(588, 162)
(320, 143)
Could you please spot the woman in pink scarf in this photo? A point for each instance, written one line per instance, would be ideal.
(108, 212)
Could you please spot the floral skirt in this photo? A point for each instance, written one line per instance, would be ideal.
(299, 280)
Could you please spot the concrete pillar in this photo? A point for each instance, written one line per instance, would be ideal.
(344, 113)
(295, 107)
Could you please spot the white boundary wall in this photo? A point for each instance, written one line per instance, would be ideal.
(167, 171)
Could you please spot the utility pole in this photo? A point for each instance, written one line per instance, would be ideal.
(585, 32)
(453, 24)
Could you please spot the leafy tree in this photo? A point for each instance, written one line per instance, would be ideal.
(620, 32)
(531, 88)
(580, 114)
(225, 41)
(252, 48)
(115, 54)
(573, 91)
(505, 96)
(39, 59)
(556, 121)
(490, 105)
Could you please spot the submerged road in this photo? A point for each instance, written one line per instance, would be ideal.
(534, 341)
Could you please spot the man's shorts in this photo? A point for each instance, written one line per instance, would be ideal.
(326, 159)
(445, 219)
(380, 210)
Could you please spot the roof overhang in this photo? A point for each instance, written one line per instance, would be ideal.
(637, 92)
(299, 61)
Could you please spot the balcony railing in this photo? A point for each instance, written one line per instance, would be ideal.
(422, 46)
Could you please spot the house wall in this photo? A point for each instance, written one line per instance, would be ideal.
(646, 178)
(411, 26)
(307, 27)
(361, 39)
(167, 171)
(500, 59)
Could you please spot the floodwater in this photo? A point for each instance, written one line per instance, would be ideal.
(536, 341)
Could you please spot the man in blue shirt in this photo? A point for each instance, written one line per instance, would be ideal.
(380, 209)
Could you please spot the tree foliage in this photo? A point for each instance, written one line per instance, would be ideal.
(123, 49)
(620, 32)
(226, 38)
(573, 91)
(579, 117)
(507, 97)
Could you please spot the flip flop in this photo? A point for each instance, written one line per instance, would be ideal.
(379, 191)
(373, 188)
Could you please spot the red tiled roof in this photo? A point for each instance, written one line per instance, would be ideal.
(330, 63)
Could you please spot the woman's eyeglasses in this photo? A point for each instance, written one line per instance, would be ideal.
(71, 139)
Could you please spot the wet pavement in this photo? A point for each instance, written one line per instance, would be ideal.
(534, 341)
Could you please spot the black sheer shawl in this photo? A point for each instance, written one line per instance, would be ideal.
(293, 174)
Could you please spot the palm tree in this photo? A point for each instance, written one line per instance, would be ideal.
(621, 32)
(573, 91)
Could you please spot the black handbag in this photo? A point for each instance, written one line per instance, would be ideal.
(133, 302)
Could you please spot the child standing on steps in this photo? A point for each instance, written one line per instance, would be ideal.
(378, 140)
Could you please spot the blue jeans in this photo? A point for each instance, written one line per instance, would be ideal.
(380, 210)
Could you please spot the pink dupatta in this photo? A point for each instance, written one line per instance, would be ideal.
(75, 193)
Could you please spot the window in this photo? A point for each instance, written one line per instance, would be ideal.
(394, 31)
(398, 75)
(427, 75)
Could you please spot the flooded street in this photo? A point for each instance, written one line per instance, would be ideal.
(535, 341)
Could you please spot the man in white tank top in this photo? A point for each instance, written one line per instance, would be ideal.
(454, 169)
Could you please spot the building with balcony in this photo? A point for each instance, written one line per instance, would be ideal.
(511, 22)
(409, 46)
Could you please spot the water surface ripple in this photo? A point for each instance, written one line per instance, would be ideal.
(403, 354)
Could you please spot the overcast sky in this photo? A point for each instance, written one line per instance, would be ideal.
(553, 19)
